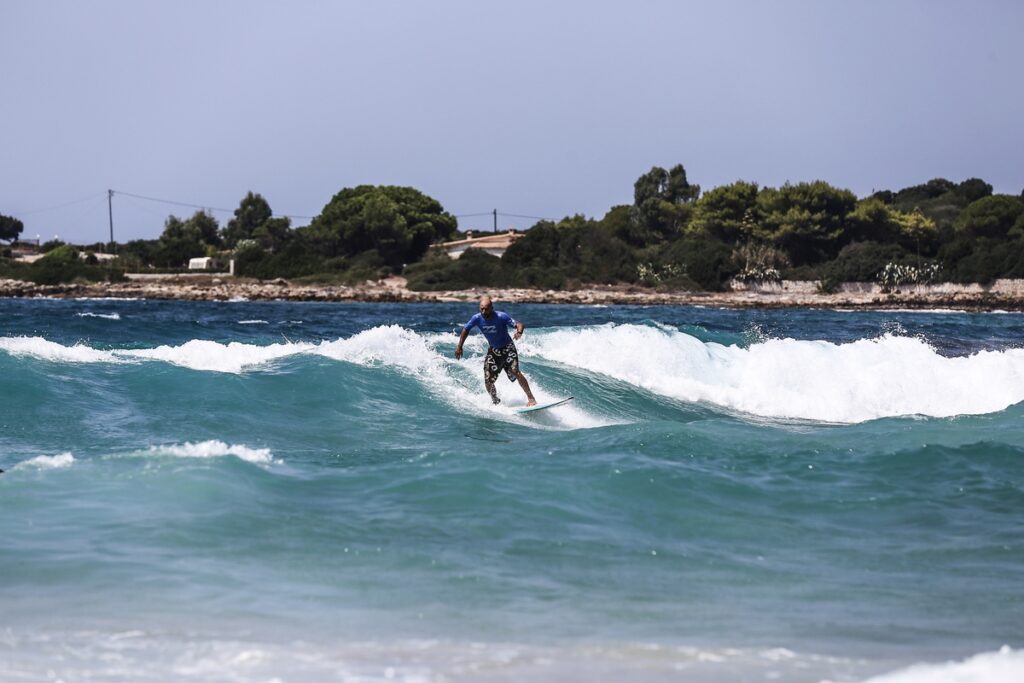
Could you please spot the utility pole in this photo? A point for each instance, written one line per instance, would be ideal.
(110, 213)
(495, 220)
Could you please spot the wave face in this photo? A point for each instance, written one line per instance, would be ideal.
(867, 379)
(888, 376)
(307, 491)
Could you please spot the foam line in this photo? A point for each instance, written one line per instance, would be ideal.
(794, 379)
(211, 449)
(47, 462)
(888, 376)
(1004, 666)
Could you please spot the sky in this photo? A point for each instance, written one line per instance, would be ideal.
(534, 108)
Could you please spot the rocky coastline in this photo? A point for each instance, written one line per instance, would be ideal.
(1001, 295)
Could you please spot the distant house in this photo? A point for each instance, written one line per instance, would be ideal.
(202, 263)
(100, 257)
(493, 243)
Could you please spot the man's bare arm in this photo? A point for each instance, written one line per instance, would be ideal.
(519, 330)
(462, 340)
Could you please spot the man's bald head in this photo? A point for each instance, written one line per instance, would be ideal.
(486, 306)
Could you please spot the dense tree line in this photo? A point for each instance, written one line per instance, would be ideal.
(673, 235)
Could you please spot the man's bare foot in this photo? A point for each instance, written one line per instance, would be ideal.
(531, 402)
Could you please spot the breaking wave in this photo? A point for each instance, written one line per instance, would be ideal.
(887, 376)
(48, 462)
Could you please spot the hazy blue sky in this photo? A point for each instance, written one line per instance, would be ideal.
(538, 108)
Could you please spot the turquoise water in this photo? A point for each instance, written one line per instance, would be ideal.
(310, 492)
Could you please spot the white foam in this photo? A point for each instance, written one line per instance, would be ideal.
(212, 449)
(888, 376)
(209, 656)
(1004, 666)
(48, 462)
(793, 379)
(201, 354)
(105, 316)
(37, 347)
(253, 322)
(429, 359)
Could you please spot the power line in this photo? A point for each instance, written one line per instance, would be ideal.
(516, 215)
(198, 206)
(60, 206)
(506, 215)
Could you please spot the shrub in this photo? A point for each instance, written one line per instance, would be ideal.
(760, 263)
(439, 272)
(863, 261)
(894, 274)
(706, 262)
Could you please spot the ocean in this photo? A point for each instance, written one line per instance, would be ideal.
(281, 491)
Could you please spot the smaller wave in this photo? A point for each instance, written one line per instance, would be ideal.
(48, 462)
(253, 322)
(200, 354)
(105, 316)
(212, 449)
(1004, 666)
(44, 349)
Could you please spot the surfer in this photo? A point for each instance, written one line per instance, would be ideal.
(501, 354)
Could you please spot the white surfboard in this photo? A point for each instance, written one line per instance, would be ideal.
(543, 406)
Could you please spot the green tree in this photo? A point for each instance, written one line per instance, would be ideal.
(203, 227)
(273, 233)
(662, 201)
(917, 232)
(10, 228)
(990, 216)
(184, 239)
(872, 221)
(252, 212)
(940, 200)
(805, 220)
(398, 222)
(728, 212)
(974, 189)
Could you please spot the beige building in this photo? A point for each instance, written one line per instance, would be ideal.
(492, 243)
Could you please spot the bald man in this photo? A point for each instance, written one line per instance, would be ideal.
(502, 354)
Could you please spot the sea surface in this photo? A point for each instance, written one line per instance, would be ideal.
(275, 491)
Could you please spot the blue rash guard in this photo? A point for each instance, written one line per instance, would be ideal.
(494, 328)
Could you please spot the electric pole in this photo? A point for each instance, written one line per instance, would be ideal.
(495, 220)
(110, 214)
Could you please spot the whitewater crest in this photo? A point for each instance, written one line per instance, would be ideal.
(105, 316)
(195, 354)
(888, 376)
(47, 462)
(1004, 666)
(212, 449)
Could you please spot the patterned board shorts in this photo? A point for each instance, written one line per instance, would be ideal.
(506, 358)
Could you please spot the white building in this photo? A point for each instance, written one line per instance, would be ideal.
(202, 263)
(494, 244)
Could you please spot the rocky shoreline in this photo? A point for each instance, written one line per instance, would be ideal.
(1001, 295)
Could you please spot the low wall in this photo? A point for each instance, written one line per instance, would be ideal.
(1005, 287)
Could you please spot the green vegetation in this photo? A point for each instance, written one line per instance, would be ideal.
(672, 236)
(60, 265)
(10, 228)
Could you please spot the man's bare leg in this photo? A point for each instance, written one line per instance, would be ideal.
(493, 392)
(530, 400)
